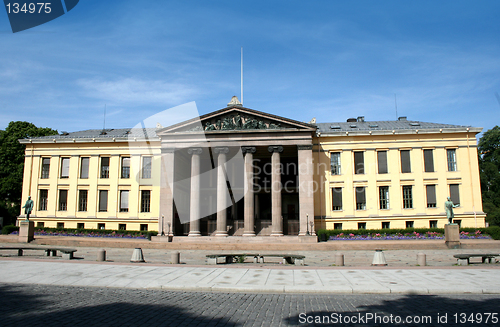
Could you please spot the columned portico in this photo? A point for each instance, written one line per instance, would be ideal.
(194, 206)
(221, 191)
(249, 213)
(277, 218)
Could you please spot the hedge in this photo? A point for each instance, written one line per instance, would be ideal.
(9, 229)
(493, 231)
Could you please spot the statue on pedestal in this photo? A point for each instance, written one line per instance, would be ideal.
(448, 206)
(28, 208)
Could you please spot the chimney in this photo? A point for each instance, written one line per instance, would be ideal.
(402, 118)
(361, 119)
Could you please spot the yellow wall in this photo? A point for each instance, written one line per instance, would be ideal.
(33, 183)
(466, 176)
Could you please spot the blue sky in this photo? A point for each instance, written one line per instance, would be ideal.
(302, 59)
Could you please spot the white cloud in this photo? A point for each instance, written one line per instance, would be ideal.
(134, 91)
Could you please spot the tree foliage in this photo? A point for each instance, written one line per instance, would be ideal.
(489, 166)
(12, 165)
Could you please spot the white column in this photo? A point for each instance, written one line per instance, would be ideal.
(277, 219)
(306, 187)
(194, 212)
(221, 191)
(249, 214)
(166, 218)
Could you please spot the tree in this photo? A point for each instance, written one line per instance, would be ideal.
(489, 167)
(12, 165)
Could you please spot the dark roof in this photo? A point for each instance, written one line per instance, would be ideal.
(386, 125)
(98, 133)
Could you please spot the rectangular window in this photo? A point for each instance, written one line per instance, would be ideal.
(105, 167)
(360, 198)
(82, 200)
(337, 226)
(101, 226)
(382, 162)
(433, 223)
(335, 163)
(458, 222)
(409, 224)
(45, 168)
(361, 225)
(383, 192)
(122, 226)
(337, 198)
(144, 227)
(103, 200)
(84, 167)
(431, 196)
(40, 224)
(146, 167)
(123, 201)
(42, 204)
(452, 159)
(405, 161)
(80, 225)
(454, 194)
(359, 163)
(407, 197)
(145, 201)
(386, 224)
(428, 161)
(64, 167)
(63, 200)
(126, 167)
(60, 225)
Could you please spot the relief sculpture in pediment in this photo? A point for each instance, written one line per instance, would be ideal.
(237, 122)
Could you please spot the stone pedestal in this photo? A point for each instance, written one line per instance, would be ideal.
(26, 231)
(452, 236)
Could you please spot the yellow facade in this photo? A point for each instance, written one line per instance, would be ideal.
(364, 176)
(56, 191)
(418, 213)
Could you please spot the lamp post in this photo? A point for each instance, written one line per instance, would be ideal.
(307, 224)
(162, 224)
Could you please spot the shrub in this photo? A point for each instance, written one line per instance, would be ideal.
(9, 229)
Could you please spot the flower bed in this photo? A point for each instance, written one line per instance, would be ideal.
(92, 233)
(405, 236)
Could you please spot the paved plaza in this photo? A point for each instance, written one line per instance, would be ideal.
(44, 305)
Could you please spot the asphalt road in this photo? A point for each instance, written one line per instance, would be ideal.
(44, 305)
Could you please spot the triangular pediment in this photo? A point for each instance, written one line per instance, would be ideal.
(237, 119)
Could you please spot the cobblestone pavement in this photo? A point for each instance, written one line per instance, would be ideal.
(38, 305)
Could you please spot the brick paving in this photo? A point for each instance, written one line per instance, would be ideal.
(41, 305)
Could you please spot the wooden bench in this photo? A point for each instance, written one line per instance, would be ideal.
(213, 259)
(67, 254)
(464, 259)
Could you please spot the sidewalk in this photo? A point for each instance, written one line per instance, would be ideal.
(453, 280)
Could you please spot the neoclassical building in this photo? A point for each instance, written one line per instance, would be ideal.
(242, 172)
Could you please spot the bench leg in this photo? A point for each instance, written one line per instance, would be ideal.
(261, 259)
(299, 262)
(229, 259)
(288, 260)
(47, 253)
(67, 256)
(463, 262)
(212, 261)
(255, 259)
(54, 254)
(20, 252)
